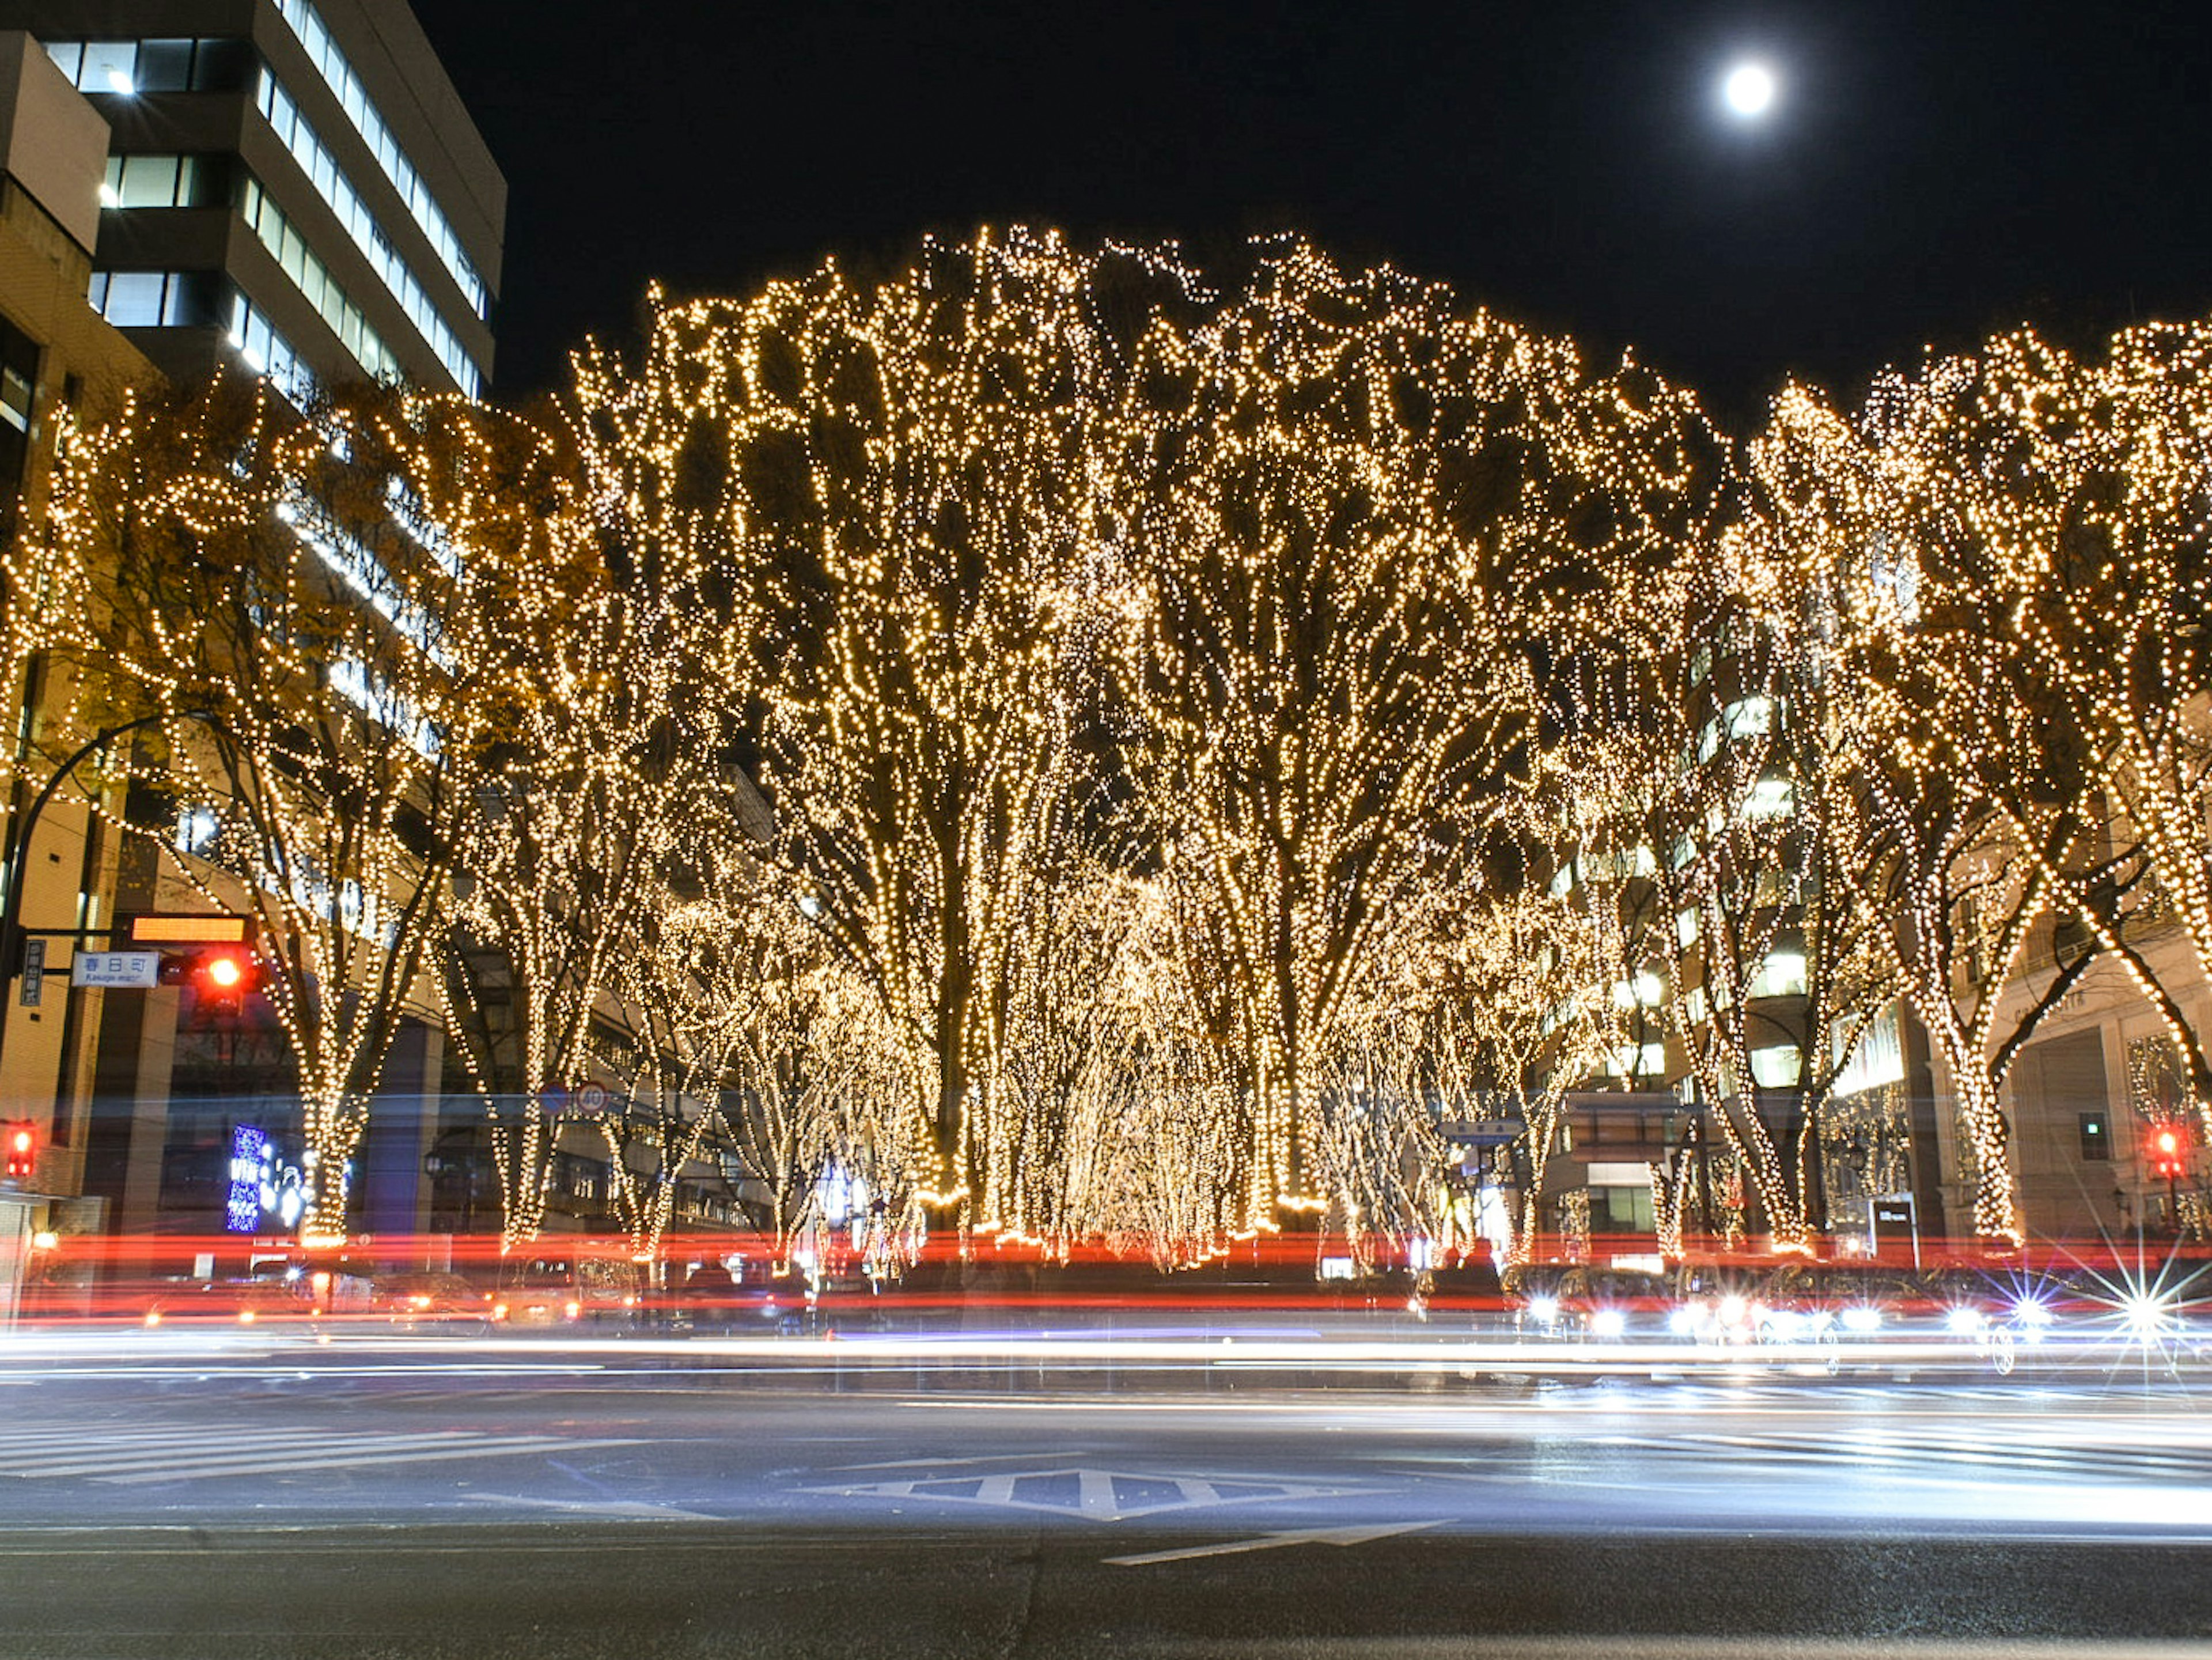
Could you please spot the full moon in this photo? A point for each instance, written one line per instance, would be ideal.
(1748, 90)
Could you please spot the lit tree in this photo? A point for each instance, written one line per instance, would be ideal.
(277, 629)
(899, 483)
(1695, 828)
(2051, 511)
(1939, 868)
(1368, 521)
(1153, 1156)
(1524, 1013)
(579, 768)
(812, 1071)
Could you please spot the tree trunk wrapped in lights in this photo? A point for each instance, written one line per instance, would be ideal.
(1368, 521)
(902, 486)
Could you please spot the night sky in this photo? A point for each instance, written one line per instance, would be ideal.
(1933, 170)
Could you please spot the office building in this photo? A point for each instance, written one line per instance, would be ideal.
(293, 183)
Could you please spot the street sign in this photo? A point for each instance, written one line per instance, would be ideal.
(590, 1099)
(190, 928)
(1892, 1213)
(1482, 1132)
(34, 971)
(133, 970)
(553, 1100)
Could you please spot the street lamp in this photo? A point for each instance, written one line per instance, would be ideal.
(11, 911)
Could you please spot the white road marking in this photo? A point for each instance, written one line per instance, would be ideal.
(1096, 1495)
(134, 1457)
(1352, 1535)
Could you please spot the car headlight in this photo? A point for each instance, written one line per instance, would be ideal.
(1862, 1320)
(2147, 1316)
(1546, 1309)
(1682, 1322)
(1965, 1322)
(1608, 1323)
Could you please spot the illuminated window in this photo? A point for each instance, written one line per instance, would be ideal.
(362, 111)
(196, 830)
(1876, 1059)
(157, 181)
(267, 352)
(1643, 992)
(1781, 974)
(152, 299)
(316, 160)
(1775, 1067)
(311, 277)
(127, 68)
(1639, 1061)
(1770, 798)
(16, 397)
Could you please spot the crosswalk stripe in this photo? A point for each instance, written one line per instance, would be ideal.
(249, 1440)
(336, 1446)
(137, 1457)
(201, 1472)
(2060, 1461)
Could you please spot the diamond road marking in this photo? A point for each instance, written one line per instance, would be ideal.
(1094, 1494)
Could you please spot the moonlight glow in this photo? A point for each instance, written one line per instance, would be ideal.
(1748, 91)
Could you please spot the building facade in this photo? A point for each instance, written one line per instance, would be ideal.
(292, 183)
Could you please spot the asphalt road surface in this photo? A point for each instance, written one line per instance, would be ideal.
(291, 1499)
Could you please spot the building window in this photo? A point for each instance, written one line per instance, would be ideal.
(288, 247)
(1782, 974)
(1775, 1067)
(153, 299)
(16, 396)
(1621, 1210)
(265, 351)
(127, 68)
(2096, 1138)
(1640, 1060)
(337, 75)
(159, 181)
(315, 160)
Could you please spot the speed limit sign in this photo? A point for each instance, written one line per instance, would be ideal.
(591, 1098)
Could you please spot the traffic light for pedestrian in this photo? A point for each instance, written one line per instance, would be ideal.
(22, 1144)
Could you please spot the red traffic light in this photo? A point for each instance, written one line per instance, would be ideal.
(2168, 1150)
(220, 974)
(22, 1141)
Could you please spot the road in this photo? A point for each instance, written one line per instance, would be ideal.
(289, 1497)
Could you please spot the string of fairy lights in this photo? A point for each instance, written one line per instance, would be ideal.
(1216, 730)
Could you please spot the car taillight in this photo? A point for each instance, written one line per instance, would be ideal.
(245, 1317)
(575, 1309)
(499, 1310)
(153, 1316)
